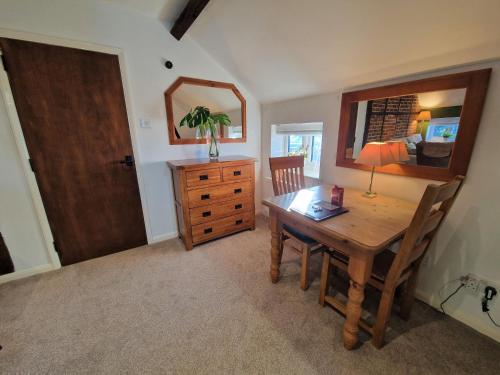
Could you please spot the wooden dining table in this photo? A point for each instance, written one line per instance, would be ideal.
(370, 226)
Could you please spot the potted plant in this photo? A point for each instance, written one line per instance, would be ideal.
(447, 134)
(207, 124)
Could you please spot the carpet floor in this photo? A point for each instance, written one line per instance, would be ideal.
(160, 309)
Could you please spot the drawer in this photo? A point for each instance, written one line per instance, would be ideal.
(209, 195)
(204, 232)
(202, 177)
(239, 172)
(206, 214)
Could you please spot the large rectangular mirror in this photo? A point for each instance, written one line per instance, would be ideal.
(187, 93)
(434, 121)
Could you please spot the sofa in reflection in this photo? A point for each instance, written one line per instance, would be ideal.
(411, 142)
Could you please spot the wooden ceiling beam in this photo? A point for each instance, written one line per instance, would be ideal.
(187, 17)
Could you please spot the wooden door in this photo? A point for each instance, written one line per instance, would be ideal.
(72, 111)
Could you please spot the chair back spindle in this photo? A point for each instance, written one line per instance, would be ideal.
(424, 225)
(287, 174)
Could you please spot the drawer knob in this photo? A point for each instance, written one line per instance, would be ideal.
(237, 191)
(203, 177)
(237, 173)
(238, 206)
(207, 230)
(207, 213)
(239, 221)
(204, 197)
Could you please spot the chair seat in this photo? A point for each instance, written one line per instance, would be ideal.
(381, 264)
(301, 237)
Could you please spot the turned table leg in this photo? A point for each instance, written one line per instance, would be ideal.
(276, 245)
(359, 270)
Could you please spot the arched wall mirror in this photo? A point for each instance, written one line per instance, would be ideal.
(434, 122)
(188, 93)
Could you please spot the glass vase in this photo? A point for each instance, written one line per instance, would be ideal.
(213, 148)
(213, 145)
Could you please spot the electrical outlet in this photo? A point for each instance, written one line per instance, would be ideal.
(471, 283)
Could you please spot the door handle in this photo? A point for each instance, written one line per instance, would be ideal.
(128, 161)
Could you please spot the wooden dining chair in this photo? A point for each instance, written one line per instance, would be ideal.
(288, 176)
(390, 269)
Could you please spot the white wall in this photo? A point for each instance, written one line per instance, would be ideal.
(145, 43)
(469, 239)
(18, 222)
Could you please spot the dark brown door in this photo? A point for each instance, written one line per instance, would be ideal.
(72, 110)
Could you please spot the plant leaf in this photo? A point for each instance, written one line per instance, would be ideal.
(222, 118)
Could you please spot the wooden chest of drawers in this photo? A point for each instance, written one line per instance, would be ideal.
(213, 199)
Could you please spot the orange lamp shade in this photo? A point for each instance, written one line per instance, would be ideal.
(424, 116)
(375, 154)
(399, 151)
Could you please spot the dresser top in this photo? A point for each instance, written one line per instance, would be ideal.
(206, 162)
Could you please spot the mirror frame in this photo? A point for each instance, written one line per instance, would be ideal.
(476, 85)
(173, 140)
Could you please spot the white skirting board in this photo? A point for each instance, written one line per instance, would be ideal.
(171, 235)
(26, 273)
(470, 320)
(163, 237)
(50, 267)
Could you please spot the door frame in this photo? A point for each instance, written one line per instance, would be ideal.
(21, 143)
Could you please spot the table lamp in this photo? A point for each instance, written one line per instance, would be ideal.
(374, 154)
(423, 116)
(399, 151)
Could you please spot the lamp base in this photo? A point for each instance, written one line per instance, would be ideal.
(369, 195)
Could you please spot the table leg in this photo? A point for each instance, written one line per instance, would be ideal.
(359, 270)
(276, 246)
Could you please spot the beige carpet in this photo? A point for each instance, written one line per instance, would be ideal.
(159, 309)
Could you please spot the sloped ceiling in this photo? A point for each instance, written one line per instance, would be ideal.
(165, 10)
(281, 49)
